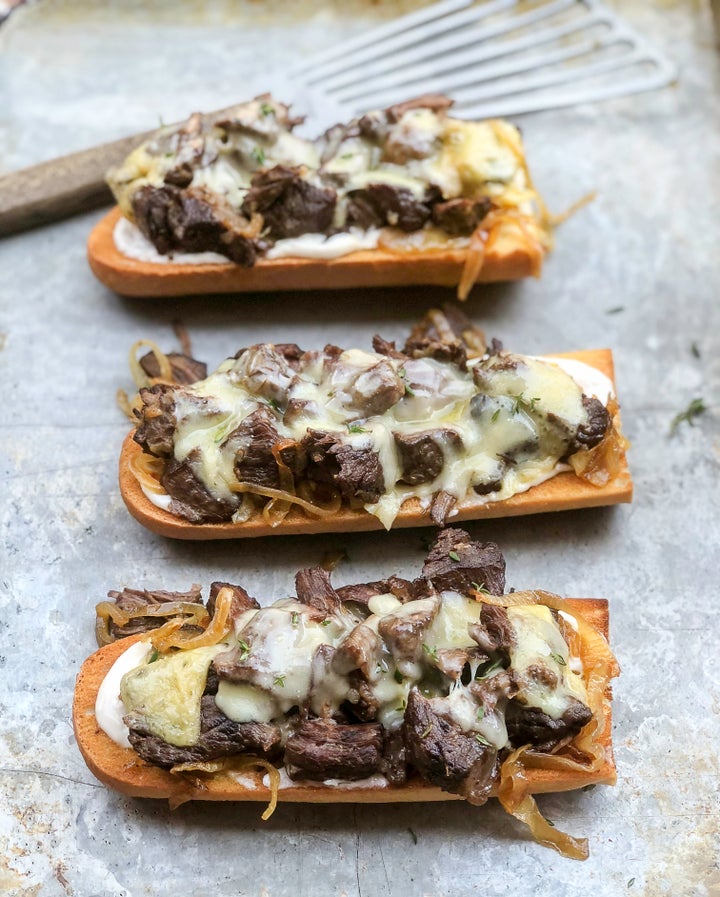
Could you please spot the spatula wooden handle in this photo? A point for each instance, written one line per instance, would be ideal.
(59, 188)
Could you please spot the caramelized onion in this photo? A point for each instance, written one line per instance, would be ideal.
(313, 510)
(232, 764)
(193, 614)
(276, 510)
(138, 374)
(215, 632)
(147, 470)
(601, 464)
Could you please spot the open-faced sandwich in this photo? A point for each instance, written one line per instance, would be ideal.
(279, 440)
(437, 688)
(406, 195)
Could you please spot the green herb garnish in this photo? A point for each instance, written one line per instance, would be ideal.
(273, 404)
(616, 310)
(347, 155)
(279, 681)
(453, 555)
(480, 740)
(266, 108)
(325, 622)
(398, 676)
(693, 410)
(480, 713)
(481, 588)
(431, 652)
(424, 734)
(154, 656)
(402, 708)
(558, 658)
(258, 154)
(294, 618)
(631, 882)
(495, 416)
(402, 374)
(355, 428)
(490, 668)
(695, 349)
(413, 836)
(244, 650)
(550, 823)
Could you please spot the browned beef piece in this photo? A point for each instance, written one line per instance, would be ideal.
(460, 217)
(264, 372)
(593, 432)
(137, 599)
(529, 725)
(452, 352)
(220, 737)
(253, 441)
(313, 588)
(495, 690)
(241, 601)
(494, 632)
(290, 205)
(449, 326)
(438, 102)
(156, 430)
(404, 631)
(444, 755)
(191, 221)
(185, 370)
(385, 347)
(322, 749)
(291, 352)
(441, 506)
(190, 498)
(378, 205)
(357, 473)
(376, 389)
(359, 650)
(361, 702)
(361, 593)
(455, 562)
(394, 759)
(422, 454)
(452, 661)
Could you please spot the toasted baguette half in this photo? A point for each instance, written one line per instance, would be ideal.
(509, 258)
(123, 770)
(563, 492)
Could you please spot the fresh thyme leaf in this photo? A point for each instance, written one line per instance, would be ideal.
(615, 311)
(413, 836)
(550, 823)
(355, 428)
(244, 650)
(273, 404)
(266, 109)
(693, 410)
(480, 713)
(347, 155)
(154, 656)
(631, 882)
(425, 732)
(489, 668)
(558, 658)
(480, 587)
(431, 652)
(533, 402)
(695, 349)
(381, 667)
(258, 154)
(398, 676)
(280, 681)
(325, 622)
(453, 555)
(402, 708)
(495, 416)
(294, 618)
(480, 740)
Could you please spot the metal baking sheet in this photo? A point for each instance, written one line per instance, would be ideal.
(636, 270)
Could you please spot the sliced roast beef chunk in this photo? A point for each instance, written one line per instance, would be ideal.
(322, 749)
(253, 442)
(437, 102)
(361, 593)
(264, 372)
(376, 389)
(156, 430)
(496, 690)
(378, 205)
(290, 205)
(359, 650)
(442, 505)
(385, 347)
(241, 601)
(190, 498)
(494, 632)
(219, 737)
(133, 600)
(453, 352)
(593, 432)
(404, 631)
(453, 661)
(291, 352)
(450, 326)
(361, 702)
(529, 725)
(192, 221)
(393, 764)
(460, 217)
(422, 455)
(357, 473)
(313, 587)
(184, 369)
(455, 562)
(443, 754)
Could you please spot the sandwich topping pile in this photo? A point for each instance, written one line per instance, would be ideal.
(440, 680)
(244, 186)
(446, 420)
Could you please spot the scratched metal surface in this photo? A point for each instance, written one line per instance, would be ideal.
(646, 248)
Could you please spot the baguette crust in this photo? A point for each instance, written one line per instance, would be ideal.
(123, 770)
(509, 258)
(563, 492)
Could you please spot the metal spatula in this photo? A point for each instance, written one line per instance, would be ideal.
(495, 58)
